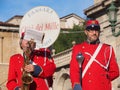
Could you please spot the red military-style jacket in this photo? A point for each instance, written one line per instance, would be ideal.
(101, 72)
(42, 81)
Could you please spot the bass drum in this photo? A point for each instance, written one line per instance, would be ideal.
(44, 20)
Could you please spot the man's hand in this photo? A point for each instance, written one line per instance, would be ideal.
(77, 87)
(29, 68)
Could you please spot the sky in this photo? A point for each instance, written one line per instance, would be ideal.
(10, 8)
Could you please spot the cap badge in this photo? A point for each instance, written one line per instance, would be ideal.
(92, 25)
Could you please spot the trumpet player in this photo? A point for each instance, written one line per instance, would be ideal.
(41, 67)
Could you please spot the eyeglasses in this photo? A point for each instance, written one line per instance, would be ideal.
(91, 31)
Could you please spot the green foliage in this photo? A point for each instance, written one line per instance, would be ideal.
(65, 40)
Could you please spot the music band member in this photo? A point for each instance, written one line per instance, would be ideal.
(41, 68)
(99, 67)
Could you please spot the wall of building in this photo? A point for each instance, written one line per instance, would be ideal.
(97, 1)
(9, 45)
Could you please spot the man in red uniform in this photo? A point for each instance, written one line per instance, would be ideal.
(99, 66)
(41, 68)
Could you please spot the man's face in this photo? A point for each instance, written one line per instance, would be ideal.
(24, 44)
(92, 35)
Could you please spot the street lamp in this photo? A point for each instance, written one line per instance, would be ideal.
(112, 13)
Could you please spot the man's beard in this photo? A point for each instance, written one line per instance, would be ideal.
(91, 41)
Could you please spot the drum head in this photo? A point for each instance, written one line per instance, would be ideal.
(43, 19)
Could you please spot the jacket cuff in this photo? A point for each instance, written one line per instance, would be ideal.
(17, 88)
(37, 70)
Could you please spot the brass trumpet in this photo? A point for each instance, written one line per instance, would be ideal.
(27, 78)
